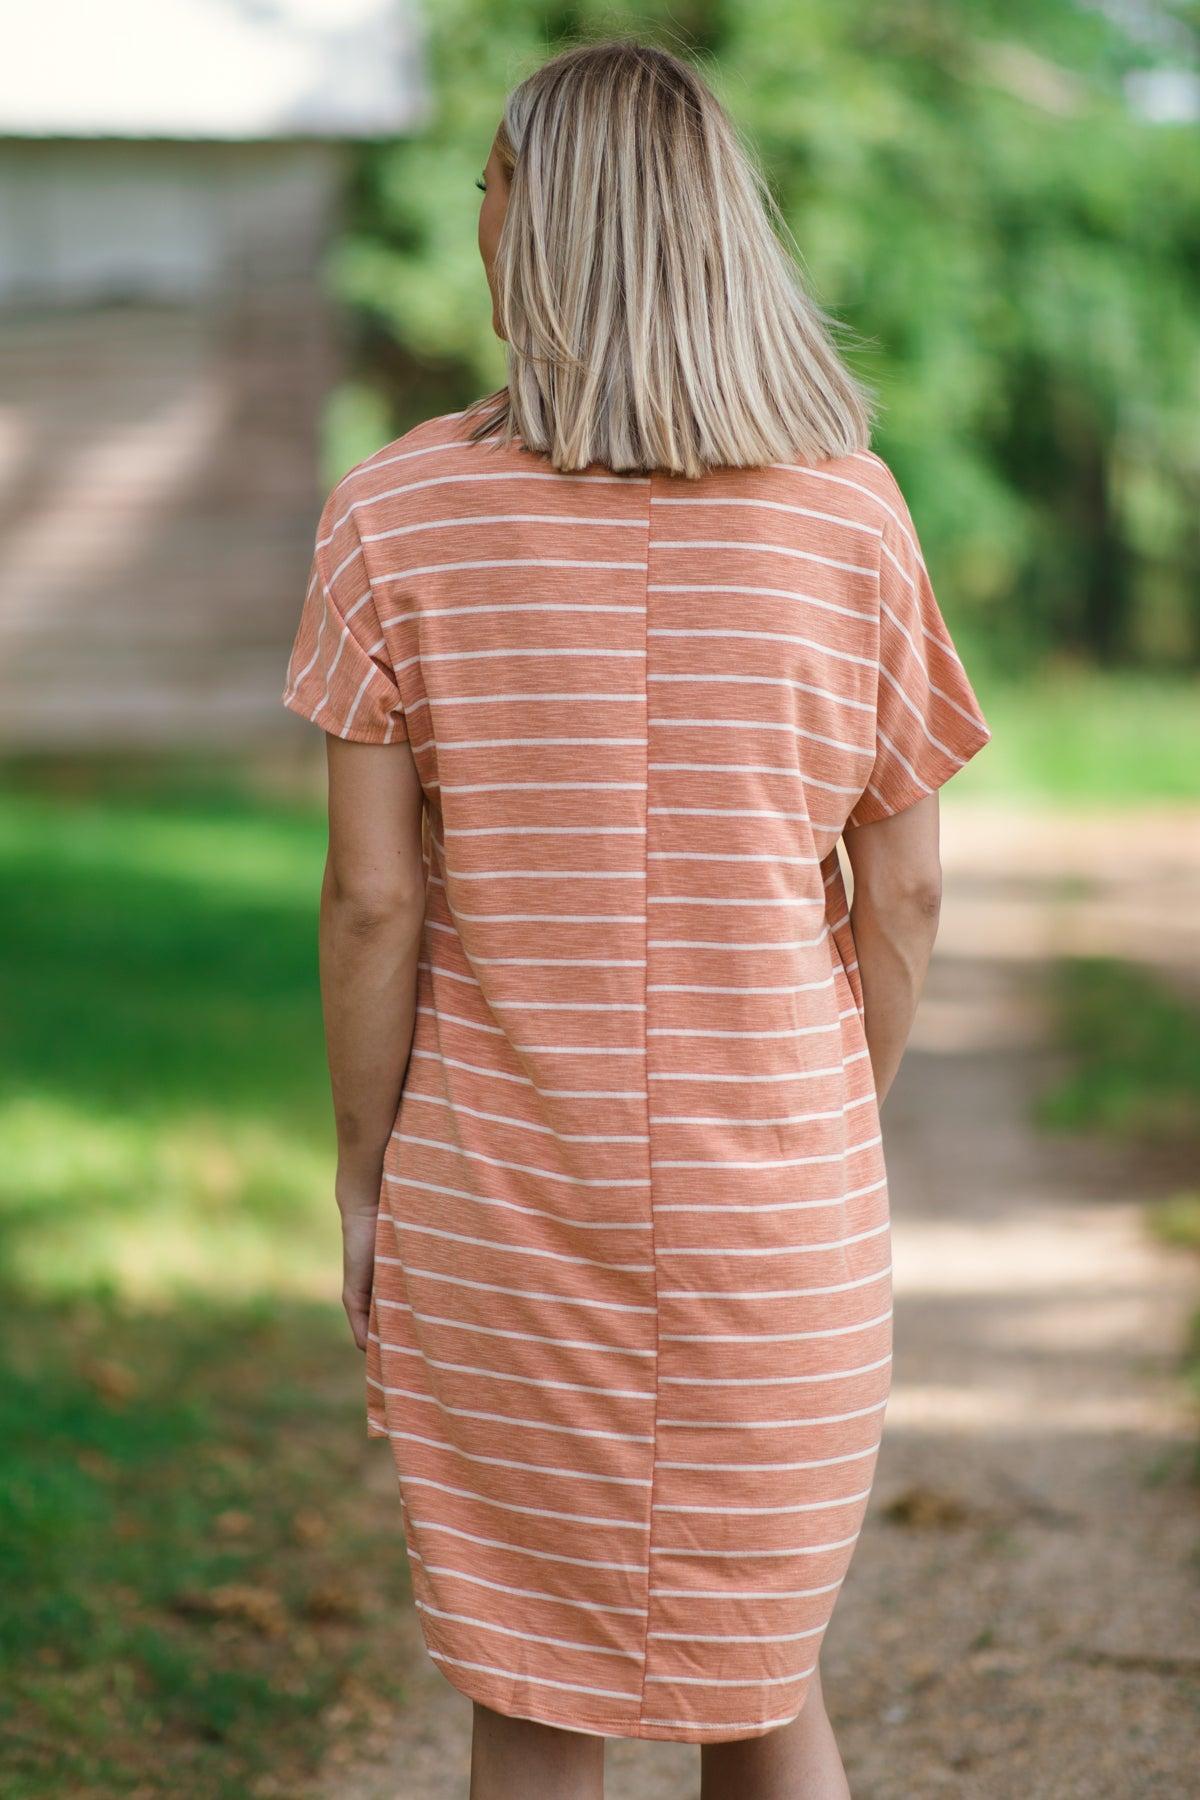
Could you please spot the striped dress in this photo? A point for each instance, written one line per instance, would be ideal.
(630, 1329)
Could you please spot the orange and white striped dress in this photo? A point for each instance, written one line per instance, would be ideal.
(630, 1330)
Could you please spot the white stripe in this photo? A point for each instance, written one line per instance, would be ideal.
(375, 537)
(698, 1032)
(541, 787)
(573, 1387)
(528, 1637)
(524, 1337)
(542, 919)
(809, 1118)
(496, 1162)
(757, 1681)
(828, 1587)
(730, 812)
(497, 1287)
(787, 1074)
(515, 1206)
(807, 512)
(769, 1381)
(771, 1337)
(748, 901)
(767, 1511)
(748, 768)
(539, 1469)
(547, 874)
(546, 1050)
(726, 944)
(724, 1725)
(919, 716)
(518, 699)
(579, 1006)
(767, 1424)
(707, 987)
(532, 743)
(546, 962)
(727, 856)
(294, 681)
(473, 476)
(802, 687)
(721, 587)
(504, 1587)
(521, 650)
(857, 1237)
(765, 637)
(782, 1162)
(836, 1287)
(472, 1537)
(453, 1062)
(725, 1637)
(730, 1206)
(574, 1687)
(508, 562)
(460, 1237)
(547, 831)
(817, 737)
(782, 1550)
(535, 1512)
(562, 1137)
(745, 1468)
(467, 1412)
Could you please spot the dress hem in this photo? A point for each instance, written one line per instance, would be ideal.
(592, 1725)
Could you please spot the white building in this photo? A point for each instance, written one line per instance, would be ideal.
(169, 178)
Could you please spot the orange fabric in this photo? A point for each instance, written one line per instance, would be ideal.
(631, 1324)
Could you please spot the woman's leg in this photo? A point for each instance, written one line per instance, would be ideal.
(517, 1759)
(799, 1761)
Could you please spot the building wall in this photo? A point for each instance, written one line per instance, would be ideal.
(164, 353)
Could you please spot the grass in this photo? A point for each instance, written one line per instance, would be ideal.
(195, 1570)
(1084, 738)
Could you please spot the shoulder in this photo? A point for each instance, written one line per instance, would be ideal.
(867, 475)
(422, 451)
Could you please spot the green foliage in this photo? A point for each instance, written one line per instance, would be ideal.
(1011, 246)
(1087, 736)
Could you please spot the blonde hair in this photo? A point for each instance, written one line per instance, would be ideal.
(653, 317)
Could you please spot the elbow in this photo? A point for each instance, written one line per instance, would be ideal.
(914, 891)
(373, 910)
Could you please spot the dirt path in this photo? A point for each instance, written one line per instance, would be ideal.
(1022, 1616)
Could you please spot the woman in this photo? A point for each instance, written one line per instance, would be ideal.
(608, 664)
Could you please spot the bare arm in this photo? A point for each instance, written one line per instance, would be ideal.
(896, 866)
(372, 907)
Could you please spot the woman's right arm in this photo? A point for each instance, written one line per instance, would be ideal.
(897, 891)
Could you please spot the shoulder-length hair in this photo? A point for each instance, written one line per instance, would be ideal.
(652, 315)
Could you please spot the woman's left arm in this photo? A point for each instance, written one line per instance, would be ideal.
(372, 909)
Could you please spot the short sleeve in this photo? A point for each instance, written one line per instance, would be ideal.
(928, 722)
(339, 674)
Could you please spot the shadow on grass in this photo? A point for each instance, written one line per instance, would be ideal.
(193, 1564)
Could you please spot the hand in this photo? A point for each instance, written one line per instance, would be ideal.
(358, 1266)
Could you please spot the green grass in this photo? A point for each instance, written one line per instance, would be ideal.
(191, 1564)
(1085, 738)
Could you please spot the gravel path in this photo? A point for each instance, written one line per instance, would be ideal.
(1022, 1616)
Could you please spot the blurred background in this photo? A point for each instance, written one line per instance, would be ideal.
(237, 254)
